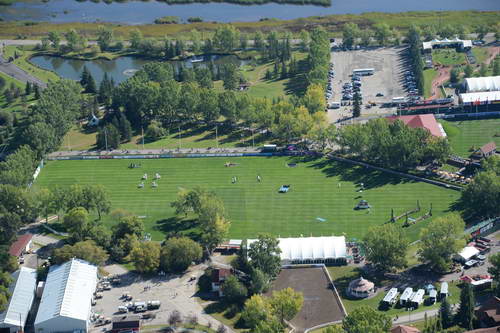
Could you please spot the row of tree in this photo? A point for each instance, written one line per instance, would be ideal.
(415, 56)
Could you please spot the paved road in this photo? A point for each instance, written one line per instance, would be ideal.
(17, 73)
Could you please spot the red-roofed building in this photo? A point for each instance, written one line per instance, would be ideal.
(21, 245)
(404, 329)
(219, 275)
(425, 121)
(489, 312)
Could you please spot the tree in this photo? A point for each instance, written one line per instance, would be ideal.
(55, 38)
(442, 238)
(127, 225)
(234, 291)
(155, 131)
(445, 314)
(465, 314)
(178, 253)
(480, 198)
(259, 281)
(27, 88)
(230, 76)
(386, 246)
(366, 36)
(264, 255)
(174, 318)
(356, 105)
(86, 250)
(366, 320)
(146, 257)
(77, 223)
(136, 39)
(481, 31)
(350, 31)
(125, 128)
(496, 67)
(90, 87)
(305, 39)
(46, 202)
(108, 137)
(221, 328)
(494, 270)
(104, 37)
(286, 303)
(226, 38)
(75, 41)
(468, 71)
(36, 89)
(257, 309)
(314, 98)
(455, 75)
(483, 70)
(382, 33)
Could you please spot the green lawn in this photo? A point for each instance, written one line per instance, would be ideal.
(481, 54)
(448, 57)
(23, 62)
(257, 207)
(429, 76)
(342, 275)
(468, 133)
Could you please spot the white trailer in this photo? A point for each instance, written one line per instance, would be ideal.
(391, 297)
(406, 296)
(418, 298)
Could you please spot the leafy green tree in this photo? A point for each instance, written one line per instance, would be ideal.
(127, 225)
(257, 309)
(104, 37)
(41, 138)
(264, 255)
(468, 71)
(227, 106)
(9, 225)
(445, 314)
(356, 105)
(86, 250)
(99, 198)
(350, 31)
(314, 99)
(146, 257)
(455, 75)
(75, 41)
(334, 329)
(465, 314)
(286, 303)
(77, 223)
(496, 67)
(18, 167)
(155, 131)
(178, 253)
(480, 198)
(136, 39)
(442, 238)
(483, 70)
(386, 246)
(226, 38)
(305, 39)
(234, 291)
(366, 320)
(55, 38)
(366, 36)
(45, 200)
(108, 137)
(258, 40)
(36, 90)
(125, 128)
(481, 31)
(230, 76)
(259, 281)
(90, 87)
(382, 33)
(27, 88)
(272, 325)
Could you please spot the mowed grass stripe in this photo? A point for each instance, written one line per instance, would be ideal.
(255, 207)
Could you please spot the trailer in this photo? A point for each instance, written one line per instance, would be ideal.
(406, 296)
(418, 298)
(443, 293)
(391, 297)
(432, 296)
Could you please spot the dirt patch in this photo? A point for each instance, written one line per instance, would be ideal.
(492, 54)
(442, 77)
(321, 304)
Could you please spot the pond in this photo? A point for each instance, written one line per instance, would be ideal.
(141, 12)
(120, 68)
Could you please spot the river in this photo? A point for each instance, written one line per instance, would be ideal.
(142, 12)
(119, 69)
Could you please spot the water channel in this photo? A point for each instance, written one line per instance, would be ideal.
(141, 12)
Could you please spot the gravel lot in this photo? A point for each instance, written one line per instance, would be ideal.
(389, 67)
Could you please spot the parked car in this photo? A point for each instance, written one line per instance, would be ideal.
(380, 95)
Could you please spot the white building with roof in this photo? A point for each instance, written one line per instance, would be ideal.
(480, 98)
(67, 297)
(466, 254)
(297, 250)
(454, 42)
(485, 83)
(22, 290)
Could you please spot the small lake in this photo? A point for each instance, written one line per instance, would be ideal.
(119, 69)
(141, 12)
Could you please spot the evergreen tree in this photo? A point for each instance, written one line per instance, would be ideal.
(445, 314)
(37, 91)
(108, 137)
(356, 108)
(91, 86)
(284, 72)
(27, 89)
(276, 70)
(465, 315)
(125, 129)
(84, 78)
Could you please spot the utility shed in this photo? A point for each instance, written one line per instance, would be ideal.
(22, 290)
(66, 300)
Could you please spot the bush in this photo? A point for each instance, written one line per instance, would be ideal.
(205, 281)
(154, 131)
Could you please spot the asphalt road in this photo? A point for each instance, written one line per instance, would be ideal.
(17, 73)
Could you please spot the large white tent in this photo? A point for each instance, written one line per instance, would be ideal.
(310, 249)
(22, 290)
(480, 98)
(467, 253)
(67, 297)
(485, 83)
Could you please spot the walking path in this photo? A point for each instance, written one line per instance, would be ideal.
(443, 76)
(17, 73)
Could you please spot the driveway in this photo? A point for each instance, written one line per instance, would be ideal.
(17, 73)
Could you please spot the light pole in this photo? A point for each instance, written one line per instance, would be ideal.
(106, 138)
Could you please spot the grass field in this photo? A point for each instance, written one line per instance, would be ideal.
(257, 207)
(465, 134)
(448, 57)
(429, 76)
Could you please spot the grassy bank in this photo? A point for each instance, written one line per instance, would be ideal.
(429, 76)
(22, 61)
(332, 23)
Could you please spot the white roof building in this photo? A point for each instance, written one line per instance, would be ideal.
(467, 253)
(462, 43)
(67, 296)
(482, 97)
(22, 292)
(310, 249)
(485, 83)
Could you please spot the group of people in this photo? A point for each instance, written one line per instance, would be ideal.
(154, 184)
(234, 179)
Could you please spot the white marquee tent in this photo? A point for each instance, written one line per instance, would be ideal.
(66, 299)
(467, 253)
(483, 97)
(486, 83)
(310, 249)
(22, 290)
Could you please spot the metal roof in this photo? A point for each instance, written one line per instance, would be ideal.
(468, 252)
(484, 83)
(68, 291)
(407, 293)
(310, 248)
(478, 97)
(391, 295)
(23, 292)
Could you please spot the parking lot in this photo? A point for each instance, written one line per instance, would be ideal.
(387, 79)
(174, 293)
